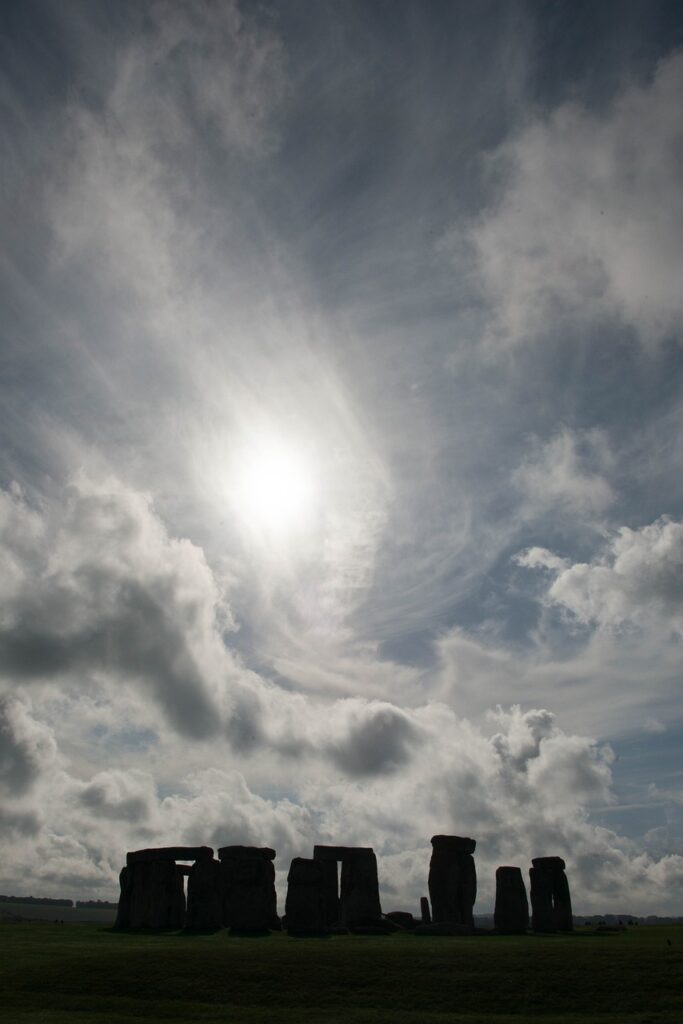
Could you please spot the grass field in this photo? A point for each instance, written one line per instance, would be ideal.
(55, 974)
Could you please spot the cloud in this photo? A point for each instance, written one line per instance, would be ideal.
(589, 220)
(565, 475)
(27, 747)
(190, 73)
(120, 796)
(637, 581)
(540, 558)
(377, 738)
(98, 592)
(602, 681)
(523, 791)
(103, 590)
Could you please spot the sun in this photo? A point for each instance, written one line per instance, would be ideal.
(274, 489)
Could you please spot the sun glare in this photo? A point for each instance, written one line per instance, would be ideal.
(275, 490)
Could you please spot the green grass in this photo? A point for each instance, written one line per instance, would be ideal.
(55, 974)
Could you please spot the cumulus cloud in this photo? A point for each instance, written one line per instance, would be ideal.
(637, 580)
(97, 591)
(103, 589)
(376, 738)
(523, 791)
(589, 220)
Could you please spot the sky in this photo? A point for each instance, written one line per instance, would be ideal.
(341, 484)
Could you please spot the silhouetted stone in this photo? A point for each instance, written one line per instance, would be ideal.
(402, 918)
(248, 884)
(425, 912)
(358, 899)
(551, 908)
(331, 890)
(562, 903)
(511, 914)
(167, 853)
(155, 894)
(231, 852)
(549, 863)
(204, 896)
(452, 880)
(124, 907)
(454, 844)
(541, 892)
(335, 853)
(305, 903)
(359, 889)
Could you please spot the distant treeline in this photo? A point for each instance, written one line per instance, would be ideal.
(98, 904)
(43, 901)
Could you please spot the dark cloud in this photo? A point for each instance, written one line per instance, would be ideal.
(119, 797)
(121, 600)
(27, 747)
(379, 741)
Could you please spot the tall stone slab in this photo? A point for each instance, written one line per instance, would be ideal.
(551, 907)
(204, 896)
(330, 872)
(248, 886)
(155, 895)
(562, 903)
(125, 899)
(425, 912)
(453, 880)
(359, 889)
(357, 901)
(305, 903)
(511, 914)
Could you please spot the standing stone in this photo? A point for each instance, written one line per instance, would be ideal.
(511, 914)
(156, 895)
(562, 903)
(551, 907)
(124, 908)
(425, 912)
(331, 890)
(358, 901)
(359, 889)
(248, 885)
(204, 896)
(453, 880)
(305, 903)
